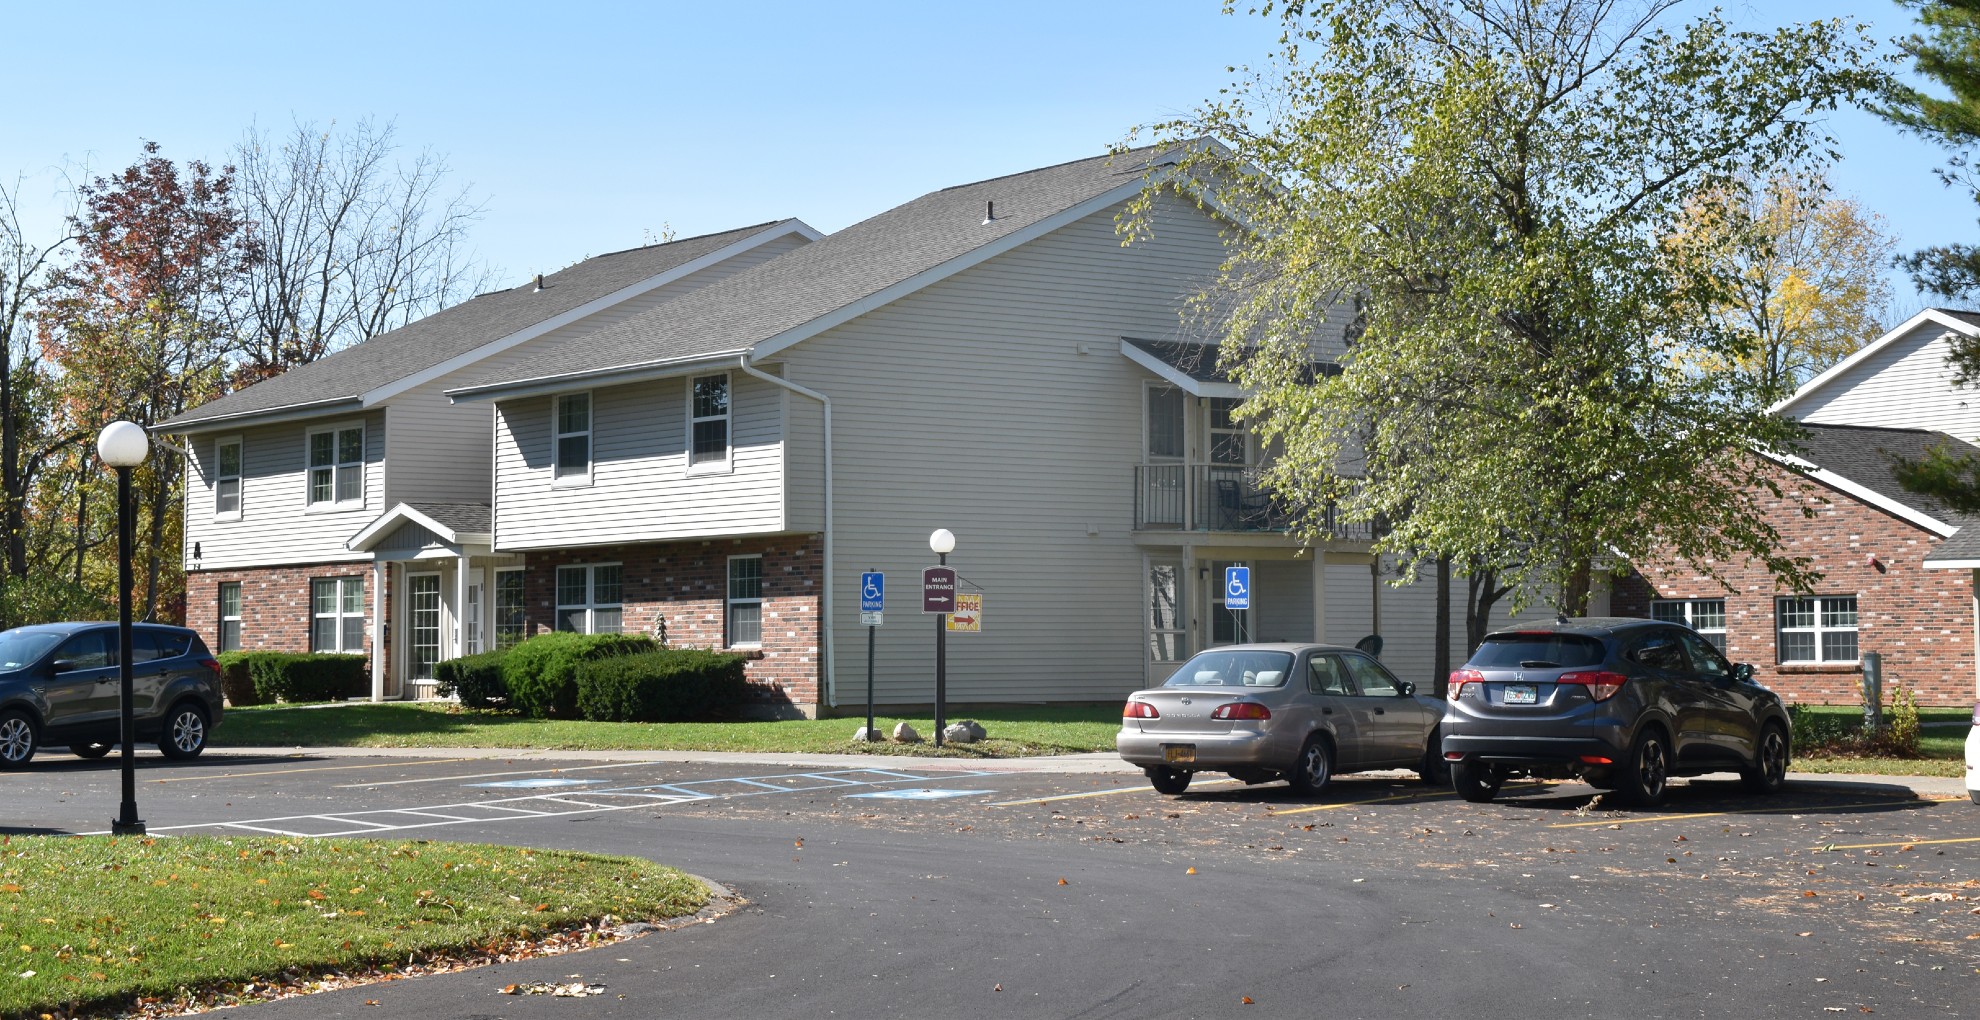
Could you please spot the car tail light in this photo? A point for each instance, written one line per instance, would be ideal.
(212, 664)
(1596, 759)
(1241, 710)
(1140, 710)
(1601, 686)
(1461, 677)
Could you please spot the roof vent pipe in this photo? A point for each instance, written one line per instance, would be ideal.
(539, 282)
(989, 212)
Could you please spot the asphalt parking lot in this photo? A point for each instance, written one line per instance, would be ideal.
(903, 878)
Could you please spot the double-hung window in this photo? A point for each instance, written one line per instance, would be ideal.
(1817, 629)
(589, 599)
(1706, 616)
(510, 616)
(230, 616)
(336, 614)
(227, 479)
(573, 440)
(708, 421)
(745, 601)
(336, 466)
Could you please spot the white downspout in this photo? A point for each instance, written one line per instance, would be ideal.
(826, 645)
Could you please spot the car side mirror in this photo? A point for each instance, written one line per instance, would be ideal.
(1743, 672)
(62, 665)
(1408, 688)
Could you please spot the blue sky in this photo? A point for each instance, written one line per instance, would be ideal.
(586, 125)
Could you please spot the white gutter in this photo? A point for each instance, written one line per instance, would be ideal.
(825, 642)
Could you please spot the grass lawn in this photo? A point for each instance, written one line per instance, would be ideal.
(1941, 748)
(1014, 731)
(96, 923)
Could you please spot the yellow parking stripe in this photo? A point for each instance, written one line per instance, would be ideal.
(1801, 810)
(324, 768)
(1419, 795)
(1908, 842)
(1097, 793)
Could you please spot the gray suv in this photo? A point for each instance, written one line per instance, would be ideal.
(1623, 704)
(59, 684)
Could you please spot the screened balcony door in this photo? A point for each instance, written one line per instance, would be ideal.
(1164, 478)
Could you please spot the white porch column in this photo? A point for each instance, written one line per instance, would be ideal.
(378, 630)
(1319, 595)
(460, 604)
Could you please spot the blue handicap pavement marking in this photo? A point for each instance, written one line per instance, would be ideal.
(923, 794)
(536, 784)
(872, 592)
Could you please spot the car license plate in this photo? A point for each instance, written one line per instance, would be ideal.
(1521, 694)
(1178, 753)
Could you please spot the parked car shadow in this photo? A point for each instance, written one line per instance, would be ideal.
(1719, 794)
(147, 758)
(29, 830)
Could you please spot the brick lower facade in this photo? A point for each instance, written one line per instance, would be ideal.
(275, 606)
(683, 586)
(1921, 621)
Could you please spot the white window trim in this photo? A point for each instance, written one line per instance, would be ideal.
(492, 597)
(333, 504)
(1148, 391)
(1688, 620)
(1211, 431)
(727, 464)
(239, 478)
(729, 602)
(1780, 652)
(557, 437)
(589, 605)
(440, 608)
(220, 610)
(340, 616)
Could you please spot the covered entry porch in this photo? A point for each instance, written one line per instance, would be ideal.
(441, 590)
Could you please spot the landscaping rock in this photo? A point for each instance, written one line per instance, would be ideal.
(906, 734)
(965, 731)
(866, 736)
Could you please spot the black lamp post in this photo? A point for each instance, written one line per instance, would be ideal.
(123, 445)
(943, 542)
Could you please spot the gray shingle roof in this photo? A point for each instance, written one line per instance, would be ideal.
(450, 332)
(1963, 546)
(457, 517)
(734, 315)
(1863, 455)
(1970, 318)
(1199, 361)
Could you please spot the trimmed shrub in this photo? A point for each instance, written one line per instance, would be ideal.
(235, 682)
(475, 679)
(668, 685)
(290, 676)
(541, 673)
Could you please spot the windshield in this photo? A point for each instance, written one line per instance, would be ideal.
(1537, 650)
(21, 647)
(1224, 667)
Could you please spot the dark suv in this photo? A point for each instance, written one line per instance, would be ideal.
(59, 684)
(1623, 704)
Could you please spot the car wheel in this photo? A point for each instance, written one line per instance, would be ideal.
(1769, 770)
(1644, 778)
(17, 740)
(91, 751)
(1476, 781)
(1975, 795)
(1433, 770)
(185, 732)
(1314, 767)
(1167, 780)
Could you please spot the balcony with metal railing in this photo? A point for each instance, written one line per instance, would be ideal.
(1223, 498)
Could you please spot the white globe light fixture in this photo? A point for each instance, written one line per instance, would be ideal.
(943, 541)
(123, 444)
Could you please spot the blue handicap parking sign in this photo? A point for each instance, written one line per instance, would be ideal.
(1237, 587)
(872, 592)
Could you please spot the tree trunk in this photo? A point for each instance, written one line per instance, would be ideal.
(1441, 670)
(82, 524)
(1482, 593)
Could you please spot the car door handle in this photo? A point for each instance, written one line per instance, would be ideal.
(1381, 711)
(1326, 711)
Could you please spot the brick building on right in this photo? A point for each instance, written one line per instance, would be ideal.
(1872, 541)
(1898, 570)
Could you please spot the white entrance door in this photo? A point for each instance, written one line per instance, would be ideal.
(424, 610)
(471, 619)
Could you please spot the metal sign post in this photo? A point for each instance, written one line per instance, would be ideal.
(1237, 597)
(872, 602)
(938, 596)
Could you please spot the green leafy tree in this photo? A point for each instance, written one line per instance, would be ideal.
(1491, 182)
(1947, 54)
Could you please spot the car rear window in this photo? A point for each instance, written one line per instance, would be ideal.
(148, 644)
(1226, 668)
(1510, 651)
